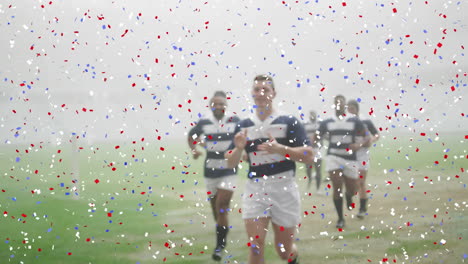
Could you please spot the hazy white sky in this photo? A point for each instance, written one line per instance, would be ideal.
(145, 67)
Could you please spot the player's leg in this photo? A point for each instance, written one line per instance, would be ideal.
(318, 172)
(309, 168)
(362, 194)
(223, 199)
(351, 184)
(225, 189)
(256, 232)
(284, 243)
(285, 217)
(212, 191)
(212, 199)
(336, 177)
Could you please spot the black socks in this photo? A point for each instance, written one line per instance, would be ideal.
(339, 207)
(221, 234)
(363, 207)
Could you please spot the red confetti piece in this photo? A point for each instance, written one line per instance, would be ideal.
(123, 35)
(96, 181)
(394, 10)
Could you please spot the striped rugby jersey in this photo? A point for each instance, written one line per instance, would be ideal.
(311, 129)
(217, 136)
(341, 134)
(287, 130)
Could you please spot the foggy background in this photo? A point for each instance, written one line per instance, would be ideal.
(126, 70)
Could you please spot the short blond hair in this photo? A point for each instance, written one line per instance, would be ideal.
(265, 77)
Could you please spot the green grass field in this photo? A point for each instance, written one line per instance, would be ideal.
(146, 203)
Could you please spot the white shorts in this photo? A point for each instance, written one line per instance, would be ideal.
(226, 183)
(362, 156)
(276, 197)
(349, 167)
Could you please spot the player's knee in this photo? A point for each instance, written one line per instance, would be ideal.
(223, 206)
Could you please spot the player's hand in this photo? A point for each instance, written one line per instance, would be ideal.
(355, 146)
(271, 146)
(240, 139)
(196, 153)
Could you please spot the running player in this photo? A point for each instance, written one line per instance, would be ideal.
(341, 161)
(273, 143)
(363, 156)
(311, 128)
(216, 135)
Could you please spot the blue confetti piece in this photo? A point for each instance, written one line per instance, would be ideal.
(18, 159)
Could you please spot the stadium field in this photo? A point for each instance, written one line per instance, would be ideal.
(145, 202)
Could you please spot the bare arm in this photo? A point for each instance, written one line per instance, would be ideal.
(193, 147)
(234, 156)
(302, 154)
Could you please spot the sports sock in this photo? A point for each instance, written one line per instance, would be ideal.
(221, 234)
(339, 207)
(349, 201)
(294, 261)
(363, 207)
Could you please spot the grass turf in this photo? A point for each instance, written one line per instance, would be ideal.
(143, 203)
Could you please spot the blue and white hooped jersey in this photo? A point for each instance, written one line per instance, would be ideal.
(341, 134)
(217, 136)
(287, 130)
